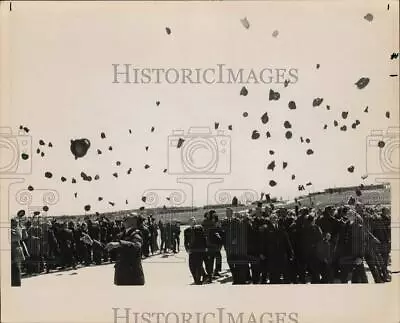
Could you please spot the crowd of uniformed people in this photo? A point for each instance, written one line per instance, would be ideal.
(262, 245)
(39, 245)
(300, 245)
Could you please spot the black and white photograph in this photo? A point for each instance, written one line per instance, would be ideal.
(339, 235)
(153, 152)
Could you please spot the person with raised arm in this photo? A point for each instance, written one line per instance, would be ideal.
(128, 267)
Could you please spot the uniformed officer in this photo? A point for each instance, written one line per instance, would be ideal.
(128, 268)
(17, 254)
(195, 245)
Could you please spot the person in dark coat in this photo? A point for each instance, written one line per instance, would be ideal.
(145, 234)
(104, 234)
(53, 249)
(219, 244)
(296, 233)
(276, 248)
(35, 263)
(17, 253)
(328, 223)
(325, 249)
(176, 233)
(373, 257)
(235, 244)
(87, 243)
(168, 236)
(213, 239)
(381, 230)
(128, 268)
(79, 245)
(97, 246)
(67, 247)
(331, 224)
(195, 245)
(312, 235)
(115, 231)
(153, 235)
(72, 227)
(98, 251)
(93, 229)
(352, 247)
(253, 245)
(25, 224)
(163, 235)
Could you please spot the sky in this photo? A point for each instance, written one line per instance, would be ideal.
(61, 87)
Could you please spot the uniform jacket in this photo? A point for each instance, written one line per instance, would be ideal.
(17, 253)
(194, 239)
(235, 237)
(128, 268)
